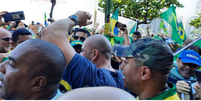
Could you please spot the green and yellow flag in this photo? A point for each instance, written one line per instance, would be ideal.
(45, 19)
(198, 43)
(133, 29)
(113, 20)
(115, 39)
(171, 17)
(108, 9)
(182, 31)
(162, 26)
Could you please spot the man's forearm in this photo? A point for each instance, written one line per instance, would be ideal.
(57, 33)
(126, 38)
(63, 25)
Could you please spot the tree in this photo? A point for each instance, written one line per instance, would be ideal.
(143, 10)
(196, 22)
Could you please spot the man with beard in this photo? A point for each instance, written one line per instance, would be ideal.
(5, 44)
(5, 39)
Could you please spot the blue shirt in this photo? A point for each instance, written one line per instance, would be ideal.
(81, 72)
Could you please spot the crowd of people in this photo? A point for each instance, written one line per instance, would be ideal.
(60, 61)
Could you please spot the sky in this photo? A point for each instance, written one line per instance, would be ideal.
(34, 9)
(188, 10)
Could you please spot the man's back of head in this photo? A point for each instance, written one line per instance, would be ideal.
(187, 41)
(97, 93)
(36, 70)
(100, 43)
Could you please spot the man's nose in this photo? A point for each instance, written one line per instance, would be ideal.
(188, 67)
(2, 67)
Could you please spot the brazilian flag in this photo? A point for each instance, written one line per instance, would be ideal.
(162, 26)
(182, 33)
(113, 21)
(170, 17)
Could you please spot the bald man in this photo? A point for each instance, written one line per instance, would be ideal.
(5, 43)
(32, 72)
(97, 93)
(94, 69)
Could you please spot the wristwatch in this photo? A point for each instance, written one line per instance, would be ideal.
(75, 19)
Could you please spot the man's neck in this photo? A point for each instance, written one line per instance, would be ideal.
(152, 91)
(104, 64)
(44, 95)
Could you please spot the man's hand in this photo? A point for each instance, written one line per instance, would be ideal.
(51, 20)
(101, 31)
(182, 87)
(111, 34)
(197, 87)
(1, 16)
(95, 26)
(83, 17)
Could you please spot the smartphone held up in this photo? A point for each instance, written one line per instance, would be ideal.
(14, 16)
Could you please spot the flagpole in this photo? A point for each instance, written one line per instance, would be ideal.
(186, 46)
(95, 12)
(136, 24)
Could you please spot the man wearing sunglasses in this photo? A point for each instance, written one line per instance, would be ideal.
(5, 43)
(81, 34)
(187, 63)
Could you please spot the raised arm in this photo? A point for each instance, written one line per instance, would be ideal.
(126, 37)
(57, 33)
(1, 16)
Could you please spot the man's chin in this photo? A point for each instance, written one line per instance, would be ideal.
(186, 76)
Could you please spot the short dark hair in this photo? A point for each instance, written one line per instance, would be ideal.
(195, 48)
(20, 31)
(82, 30)
(41, 61)
(137, 33)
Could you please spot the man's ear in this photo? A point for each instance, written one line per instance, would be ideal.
(145, 73)
(94, 54)
(38, 83)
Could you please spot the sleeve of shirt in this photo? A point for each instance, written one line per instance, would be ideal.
(82, 72)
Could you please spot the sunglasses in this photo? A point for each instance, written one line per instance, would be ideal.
(78, 37)
(7, 39)
(191, 65)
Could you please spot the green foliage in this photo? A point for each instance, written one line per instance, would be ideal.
(143, 10)
(196, 22)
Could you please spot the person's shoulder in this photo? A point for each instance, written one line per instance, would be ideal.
(79, 60)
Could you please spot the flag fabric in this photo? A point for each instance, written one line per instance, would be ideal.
(171, 17)
(113, 21)
(45, 19)
(162, 26)
(108, 9)
(182, 31)
(198, 43)
(115, 39)
(133, 29)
